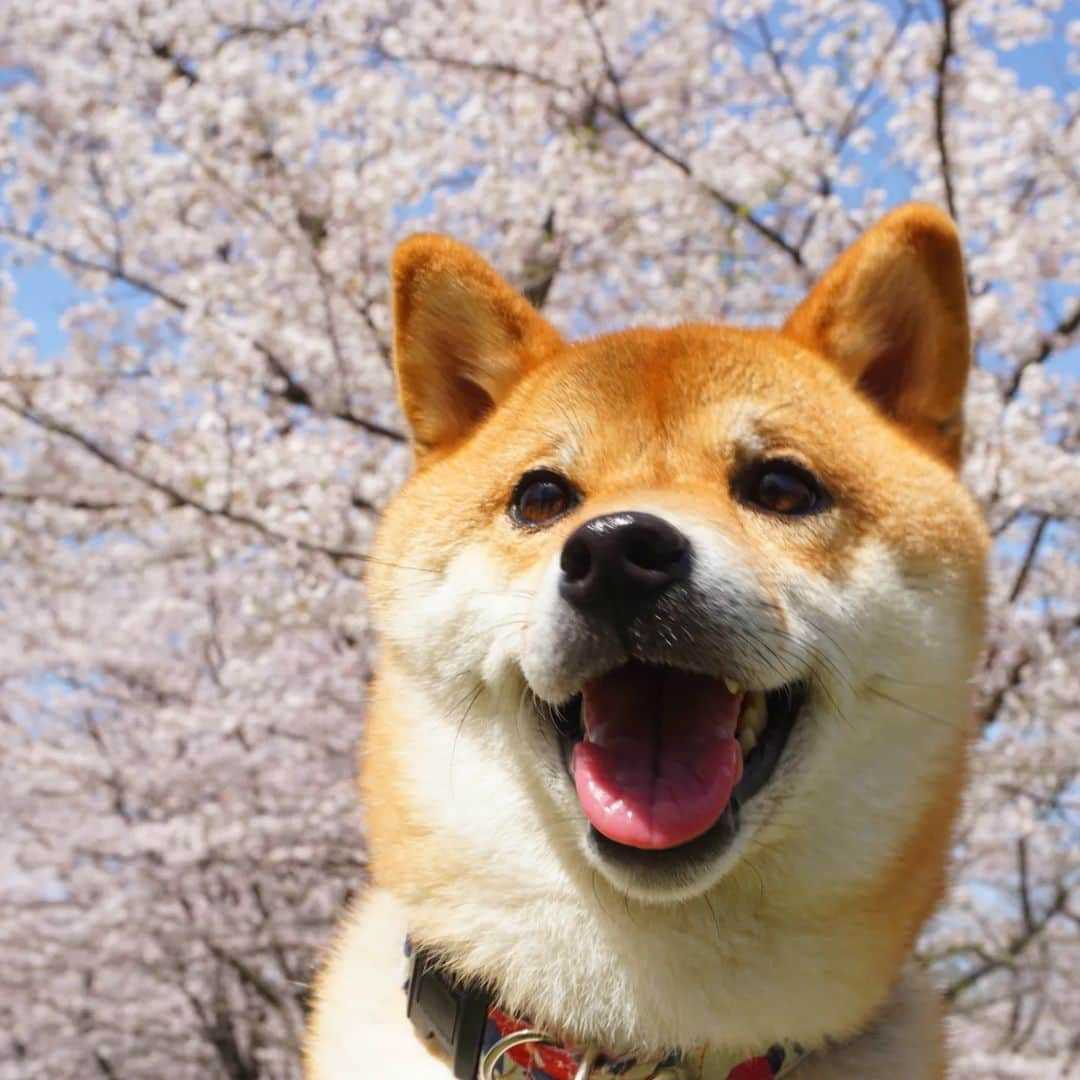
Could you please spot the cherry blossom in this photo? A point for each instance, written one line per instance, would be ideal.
(189, 482)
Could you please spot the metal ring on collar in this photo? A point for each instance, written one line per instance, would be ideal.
(506, 1043)
(520, 1038)
(588, 1059)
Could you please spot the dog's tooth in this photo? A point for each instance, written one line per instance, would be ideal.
(732, 685)
(753, 715)
(747, 740)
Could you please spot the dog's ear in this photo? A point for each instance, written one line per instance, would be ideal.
(891, 313)
(462, 338)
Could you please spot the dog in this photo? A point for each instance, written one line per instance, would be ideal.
(673, 701)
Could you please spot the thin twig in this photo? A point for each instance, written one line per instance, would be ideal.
(940, 103)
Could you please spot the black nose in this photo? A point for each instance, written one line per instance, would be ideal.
(613, 564)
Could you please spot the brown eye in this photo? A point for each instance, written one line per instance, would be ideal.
(541, 497)
(782, 487)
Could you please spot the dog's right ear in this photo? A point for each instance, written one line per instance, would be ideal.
(891, 313)
(462, 338)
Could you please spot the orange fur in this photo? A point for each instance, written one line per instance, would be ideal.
(461, 338)
(864, 387)
(892, 314)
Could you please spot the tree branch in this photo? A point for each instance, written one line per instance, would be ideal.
(31, 497)
(780, 69)
(940, 104)
(621, 115)
(1012, 681)
(1048, 343)
(1025, 888)
(175, 496)
(540, 272)
(1018, 943)
(1028, 561)
(295, 391)
(737, 210)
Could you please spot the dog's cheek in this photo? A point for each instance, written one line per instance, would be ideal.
(465, 622)
(891, 663)
(880, 622)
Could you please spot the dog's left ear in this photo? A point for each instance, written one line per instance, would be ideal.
(462, 338)
(891, 313)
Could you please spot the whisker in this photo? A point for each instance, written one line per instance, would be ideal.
(715, 917)
(938, 719)
(472, 699)
(751, 865)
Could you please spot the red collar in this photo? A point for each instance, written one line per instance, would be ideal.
(540, 1061)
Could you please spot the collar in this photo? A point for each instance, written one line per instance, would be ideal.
(471, 1031)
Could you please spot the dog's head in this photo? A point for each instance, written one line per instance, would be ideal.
(668, 606)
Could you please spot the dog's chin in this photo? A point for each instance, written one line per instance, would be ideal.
(689, 868)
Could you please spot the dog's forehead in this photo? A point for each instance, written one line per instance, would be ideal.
(681, 365)
(642, 395)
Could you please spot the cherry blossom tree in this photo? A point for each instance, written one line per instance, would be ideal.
(189, 481)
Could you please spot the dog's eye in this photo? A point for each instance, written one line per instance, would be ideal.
(782, 487)
(541, 497)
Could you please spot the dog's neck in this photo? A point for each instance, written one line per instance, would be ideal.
(460, 1018)
(599, 968)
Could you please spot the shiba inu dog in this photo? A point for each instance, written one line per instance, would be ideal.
(673, 703)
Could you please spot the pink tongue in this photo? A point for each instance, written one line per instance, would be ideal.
(659, 759)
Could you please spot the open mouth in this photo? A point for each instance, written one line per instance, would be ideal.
(663, 758)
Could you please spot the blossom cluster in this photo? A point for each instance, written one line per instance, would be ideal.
(189, 483)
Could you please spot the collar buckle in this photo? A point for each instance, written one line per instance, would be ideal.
(450, 1012)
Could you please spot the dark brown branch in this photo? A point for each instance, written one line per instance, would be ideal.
(1030, 555)
(294, 391)
(105, 1066)
(481, 67)
(993, 706)
(234, 32)
(30, 497)
(1025, 888)
(940, 103)
(737, 210)
(81, 262)
(1048, 344)
(173, 494)
(297, 394)
(853, 118)
(178, 66)
(1019, 942)
(276, 948)
(1016, 674)
(114, 779)
(1014, 678)
(777, 62)
(540, 272)
(247, 974)
(620, 113)
(856, 116)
